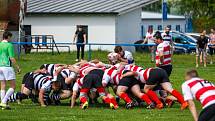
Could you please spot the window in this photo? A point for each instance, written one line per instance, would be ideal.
(178, 28)
(160, 27)
(142, 32)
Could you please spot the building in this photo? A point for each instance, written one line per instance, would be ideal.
(151, 19)
(105, 21)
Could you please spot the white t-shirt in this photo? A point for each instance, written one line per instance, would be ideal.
(128, 55)
(150, 38)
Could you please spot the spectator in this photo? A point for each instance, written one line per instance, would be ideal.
(150, 40)
(167, 36)
(201, 49)
(124, 56)
(6, 71)
(212, 44)
(81, 41)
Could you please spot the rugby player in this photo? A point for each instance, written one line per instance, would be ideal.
(124, 56)
(202, 90)
(163, 55)
(6, 70)
(41, 84)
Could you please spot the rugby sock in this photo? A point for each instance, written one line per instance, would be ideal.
(113, 101)
(178, 95)
(2, 94)
(83, 99)
(12, 98)
(107, 100)
(7, 95)
(146, 99)
(21, 96)
(153, 96)
(125, 97)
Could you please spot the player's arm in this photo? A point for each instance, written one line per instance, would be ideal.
(41, 97)
(12, 58)
(193, 110)
(75, 36)
(161, 54)
(131, 73)
(74, 94)
(85, 38)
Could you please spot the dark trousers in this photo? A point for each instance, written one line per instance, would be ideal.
(167, 68)
(80, 48)
(208, 114)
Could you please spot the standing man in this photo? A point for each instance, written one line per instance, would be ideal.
(163, 54)
(6, 70)
(167, 36)
(124, 56)
(212, 44)
(201, 49)
(81, 38)
(201, 90)
(150, 40)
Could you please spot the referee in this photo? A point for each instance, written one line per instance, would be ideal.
(6, 70)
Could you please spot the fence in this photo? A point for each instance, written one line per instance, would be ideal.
(89, 45)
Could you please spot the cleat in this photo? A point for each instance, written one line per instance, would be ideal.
(129, 105)
(159, 106)
(184, 105)
(151, 106)
(85, 105)
(4, 106)
(112, 106)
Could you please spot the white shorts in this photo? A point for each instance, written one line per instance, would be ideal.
(7, 74)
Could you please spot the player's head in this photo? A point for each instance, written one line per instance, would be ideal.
(158, 38)
(150, 30)
(7, 35)
(56, 85)
(43, 69)
(167, 30)
(119, 50)
(191, 74)
(113, 58)
(80, 28)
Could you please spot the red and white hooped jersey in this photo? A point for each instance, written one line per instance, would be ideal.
(133, 68)
(112, 76)
(143, 74)
(164, 48)
(78, 84)
(199, 89)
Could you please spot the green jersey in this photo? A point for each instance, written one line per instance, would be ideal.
(6, 52)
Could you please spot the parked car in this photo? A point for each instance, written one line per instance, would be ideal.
(183, 43)
(196, 35)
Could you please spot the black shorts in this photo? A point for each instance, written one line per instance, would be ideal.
(208, 114)
(128, 81)
(64, 86)
(167, 68)
(211, 50)
(157, 76)
(25, 77)
(29, 82)
(93, 79)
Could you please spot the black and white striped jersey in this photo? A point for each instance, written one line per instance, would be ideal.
(66, 73)
(42, 81)
(51, 69)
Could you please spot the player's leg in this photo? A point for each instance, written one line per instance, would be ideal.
(78, 52)
(82, 51)
(121, 92)
(3, 88)
(168, 87)
(197, 57)
(204, 54)
(137, 92)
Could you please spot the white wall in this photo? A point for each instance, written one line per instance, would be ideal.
(129, 28)
(101, 28)
(172, 22)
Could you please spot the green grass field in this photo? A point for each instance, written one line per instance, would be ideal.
(28, 111)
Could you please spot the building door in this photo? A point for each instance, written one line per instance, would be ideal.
(85, 29)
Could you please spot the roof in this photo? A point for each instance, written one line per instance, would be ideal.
(85, 6)
(152, 15)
